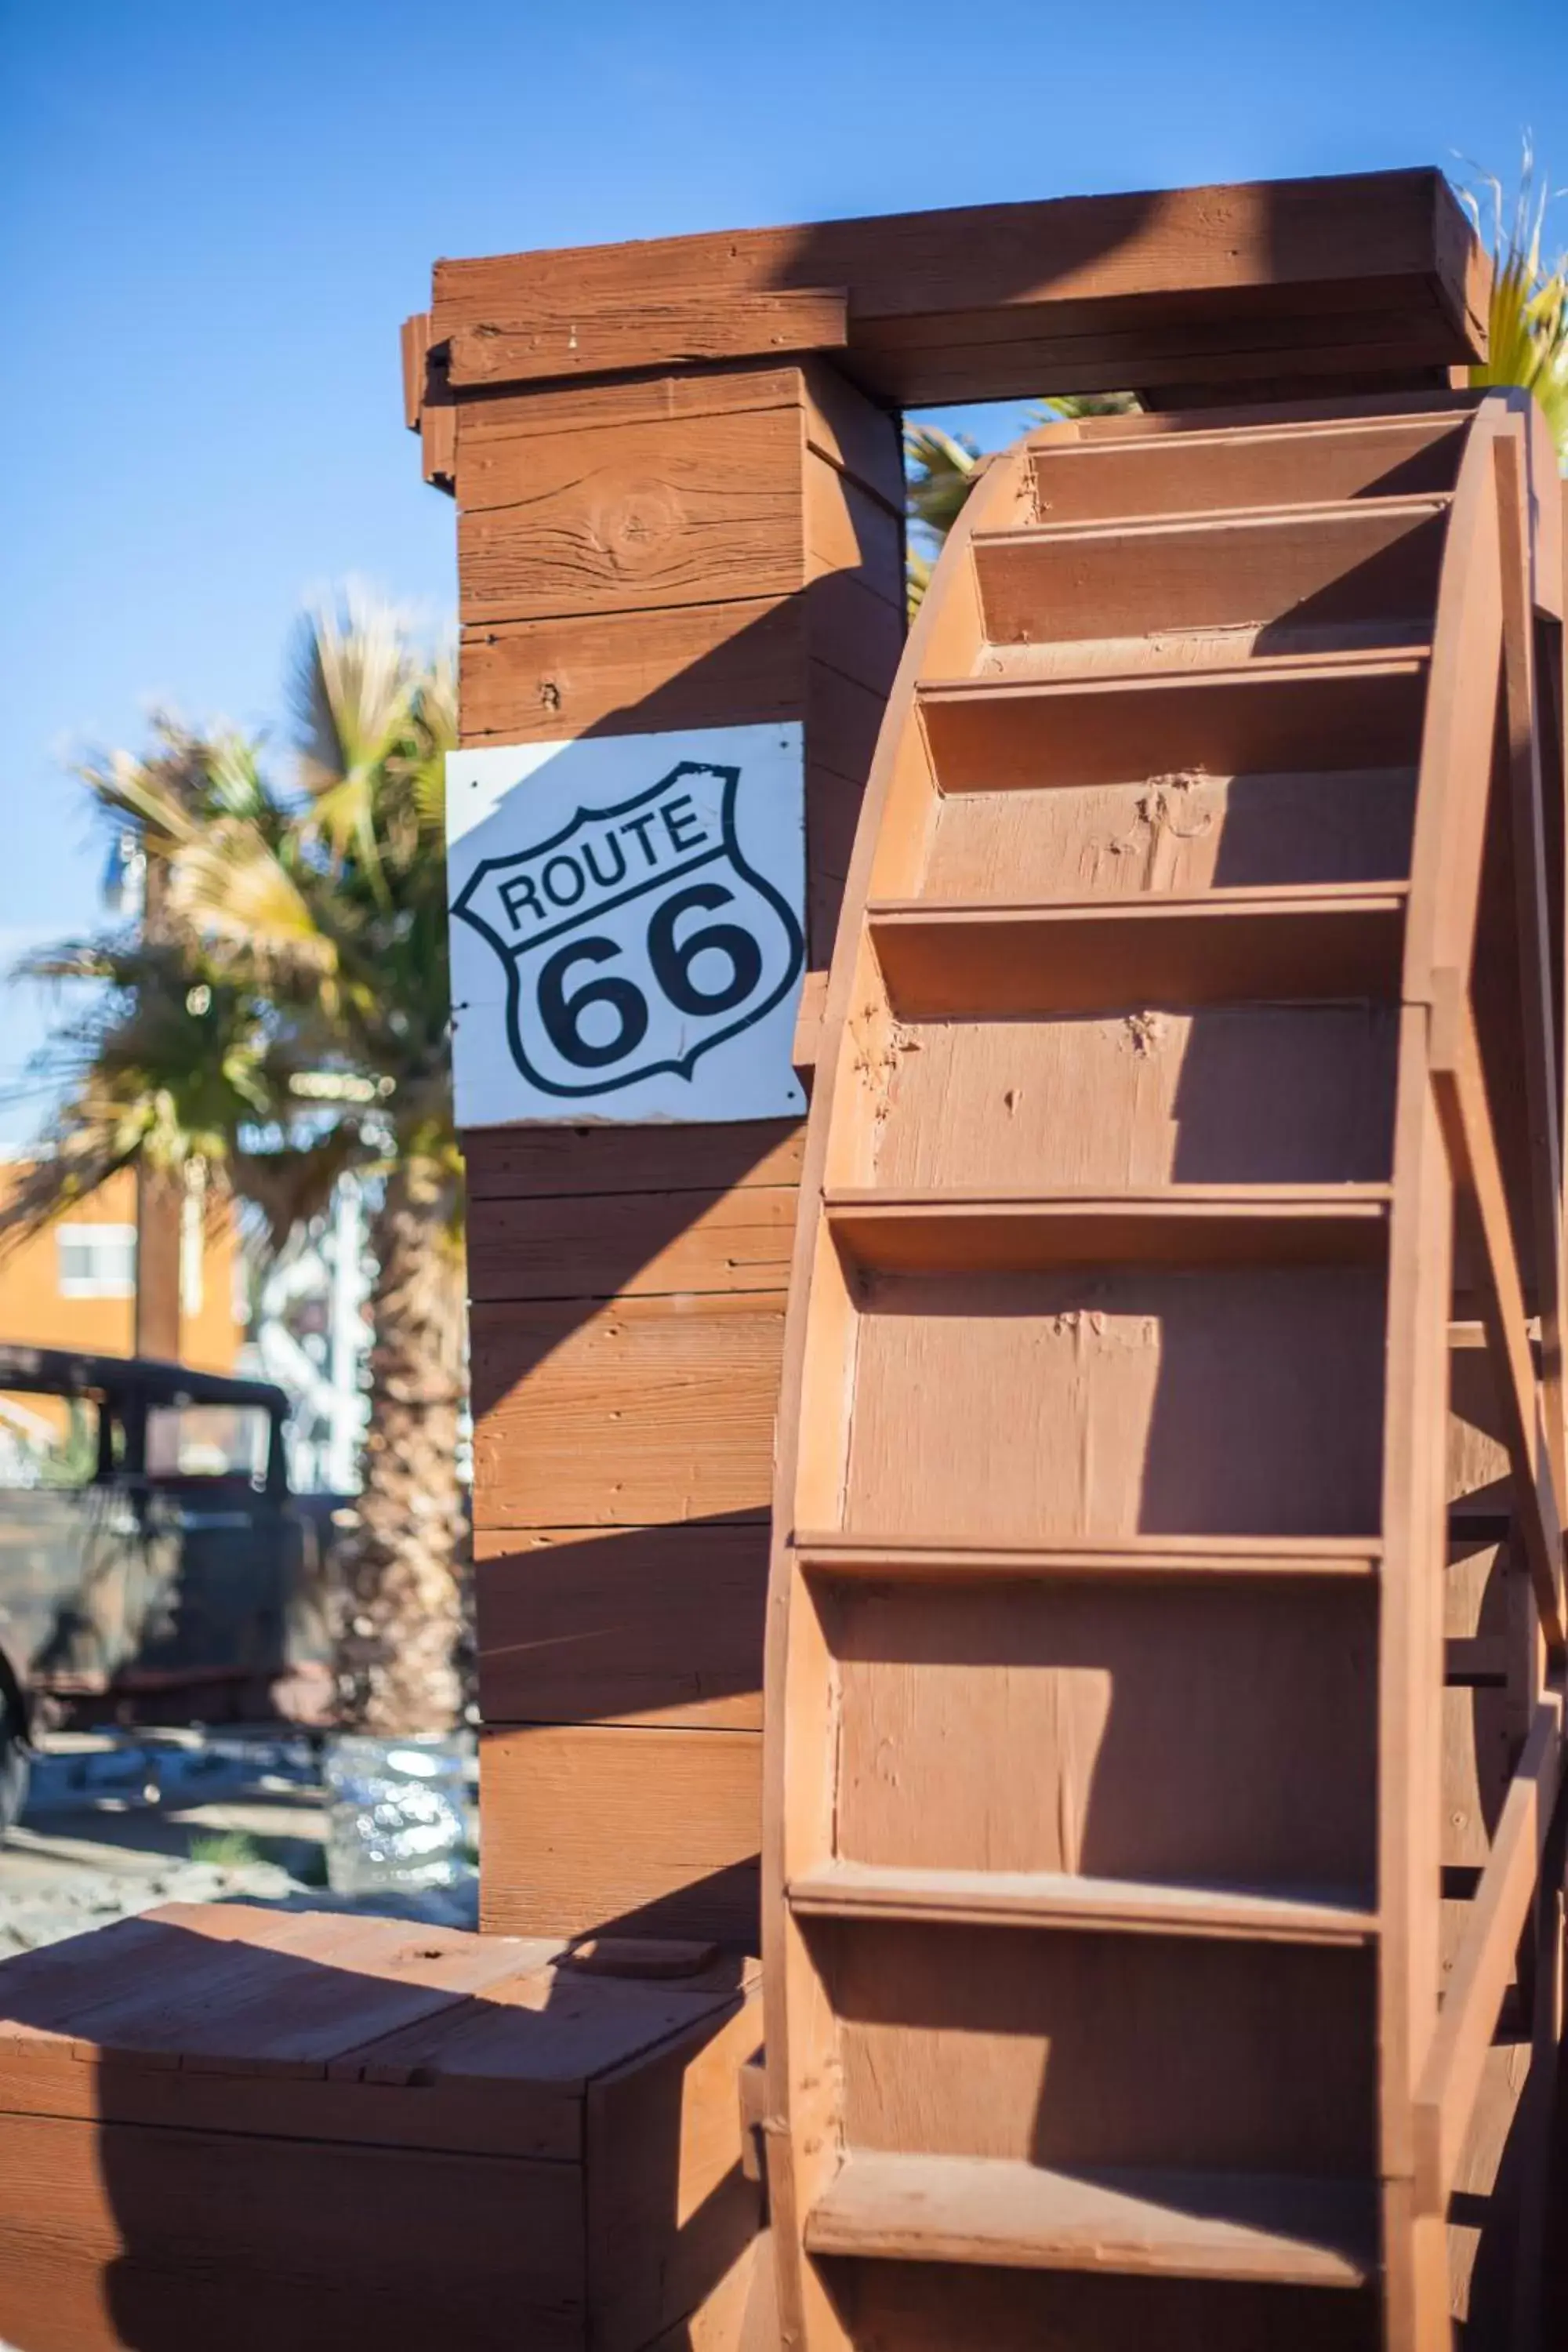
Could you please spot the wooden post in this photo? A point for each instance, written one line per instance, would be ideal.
(714, 547)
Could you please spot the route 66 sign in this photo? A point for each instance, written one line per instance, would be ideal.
(626, 926)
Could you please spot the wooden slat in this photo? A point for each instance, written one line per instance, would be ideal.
(728, 664)
(1331, 941)
(525, 1163)
(1452, 2075)
(642, 1412)
(652, 1625)
(1385, 456)
(191, 2238)
(862, 1890)
(689, 512)
(837, 1554)
(1293, 568)
(1181, 1224)
(938, 2209)
(634, 1244)
(649, 1831)
(1460, 1089)
(1276, 715)
(541, 343)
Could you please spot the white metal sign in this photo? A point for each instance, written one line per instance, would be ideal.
(627, 926)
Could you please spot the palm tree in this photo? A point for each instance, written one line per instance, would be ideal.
(281, 1018)
(1527, 325)
(942, 468)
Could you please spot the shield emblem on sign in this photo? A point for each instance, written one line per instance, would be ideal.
(636, 938)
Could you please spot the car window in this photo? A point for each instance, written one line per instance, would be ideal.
(46, 1441)
(208, 1441)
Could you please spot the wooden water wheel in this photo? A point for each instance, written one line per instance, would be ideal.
(1162, 1912)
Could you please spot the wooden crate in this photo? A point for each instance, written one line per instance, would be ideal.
(221, 2124)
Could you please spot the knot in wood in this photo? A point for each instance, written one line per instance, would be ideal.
(635, 521)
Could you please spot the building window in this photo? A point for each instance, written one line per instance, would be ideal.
(97, 1261)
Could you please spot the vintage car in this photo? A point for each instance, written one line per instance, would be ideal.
(154, 1568)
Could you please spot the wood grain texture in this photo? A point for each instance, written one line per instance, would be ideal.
(1026, 2217)
(642, 1412)
(1382, 456)
(632, 1245)
(542, 345)
(218, 2117)
(507, 1163)
(938, 300)
(1247, 719)
(1100, 1398)
(1226, 1093)
(1180, 832)
(651, 1832)
(126, 2235)
(733, 663)
(1143, 1775)
(1088, 2050)
(1321, 569)
(682, 513)
(858, 436)
(665, 2147)
(727, 665)
(653, 1625)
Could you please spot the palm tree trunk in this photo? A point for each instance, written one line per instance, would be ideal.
(397, 1663)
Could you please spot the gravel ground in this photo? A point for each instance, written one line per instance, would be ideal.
(113, 1827)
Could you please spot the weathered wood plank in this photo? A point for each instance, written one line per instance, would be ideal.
(644, 1411)
(545, 344)
(654, 1831)
(651, 1625)
(684, 512)
(727, 665)
(535, 1162)
(126, 2235)
(857, 434)
(634, 1244)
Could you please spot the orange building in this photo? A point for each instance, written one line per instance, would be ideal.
(74, 1285)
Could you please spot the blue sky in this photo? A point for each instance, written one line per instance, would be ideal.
(214, 215)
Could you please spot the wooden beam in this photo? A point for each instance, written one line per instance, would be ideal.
(1376, 274)
(1542, 1045)
(1460, 1090)
(542, 344)
(1452, 2075)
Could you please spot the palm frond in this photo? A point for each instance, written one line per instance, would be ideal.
(233, 890)
(942, 478)
(353, 689)
(1527, 342)
(1061, 407)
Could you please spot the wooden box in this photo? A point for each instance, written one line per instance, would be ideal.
(226, 2126)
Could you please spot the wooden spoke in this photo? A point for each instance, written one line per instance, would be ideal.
(1460, 1088)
